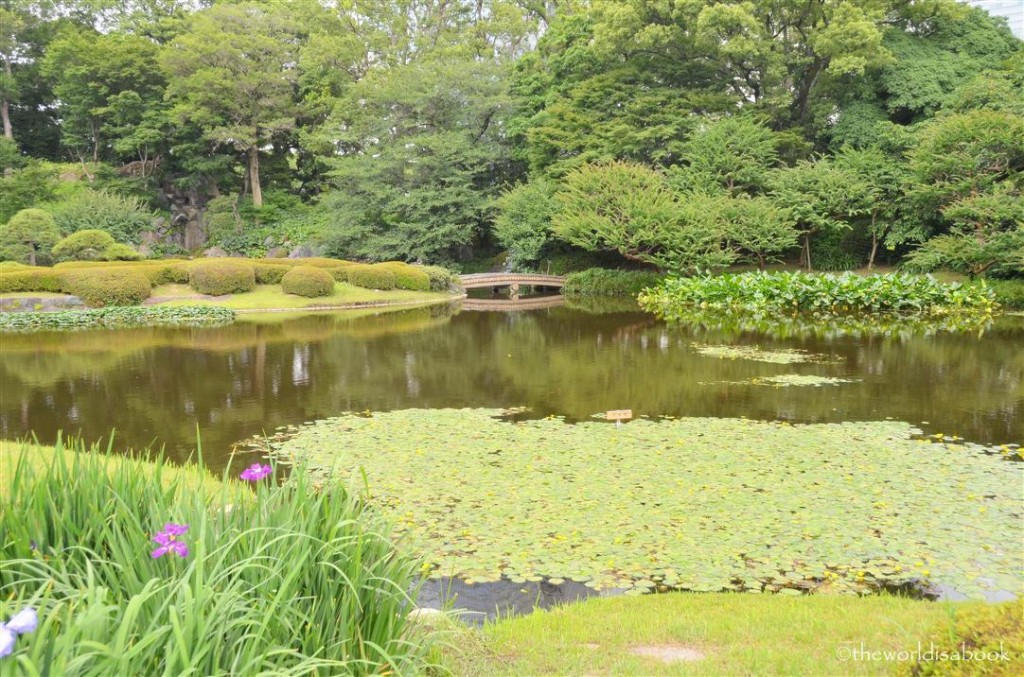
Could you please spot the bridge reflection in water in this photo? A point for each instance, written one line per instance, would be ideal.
(516, 302)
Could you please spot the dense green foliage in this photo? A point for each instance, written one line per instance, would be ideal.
(116, 317)
(28, 237)
(307, 281)
(108, 286)
(221, 277)
(84, 245)
(800, 292)
(604, 282)
(717, 132)
(75, 539)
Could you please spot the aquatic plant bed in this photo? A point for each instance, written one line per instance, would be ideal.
(698, 504)
(117, 317)
(805, 292)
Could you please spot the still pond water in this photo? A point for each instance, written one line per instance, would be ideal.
(159, 386)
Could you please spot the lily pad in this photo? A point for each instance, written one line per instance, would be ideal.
(724, 504)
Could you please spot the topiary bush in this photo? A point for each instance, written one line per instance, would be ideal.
(28, 237)
(108, 287)
(406, 276)
(85, 245)
(120, 252)
(269, 273)
(308, 281)
(370, 277)
(441, 279)
(222, 277)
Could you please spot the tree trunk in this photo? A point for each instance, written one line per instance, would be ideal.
(5, 107)
(254, 176)
(807, 250)
(31, 255)
(874, 241)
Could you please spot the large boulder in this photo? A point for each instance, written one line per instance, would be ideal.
(303, 251)
(215, 253)
(277, 253)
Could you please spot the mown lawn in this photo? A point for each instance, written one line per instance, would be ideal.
(717, 634)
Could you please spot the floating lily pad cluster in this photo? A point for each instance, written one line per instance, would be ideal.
(786, 380)
(698, 504)
(758, 354)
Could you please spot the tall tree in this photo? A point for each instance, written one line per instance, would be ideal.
(233, 75)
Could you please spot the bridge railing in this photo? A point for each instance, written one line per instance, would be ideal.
(503, 279)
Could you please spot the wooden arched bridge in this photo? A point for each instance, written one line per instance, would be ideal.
(511, 280)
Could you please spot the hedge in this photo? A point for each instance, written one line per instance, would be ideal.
(120, 252)
(406, 276)
(370, 277)
(269, 273)
(108, 287)
(32, 279)
(219, 277)
(308, 281)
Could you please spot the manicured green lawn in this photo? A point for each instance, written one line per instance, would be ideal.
(270, 296)
(732, 634)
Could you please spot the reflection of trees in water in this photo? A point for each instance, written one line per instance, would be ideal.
(236, 381)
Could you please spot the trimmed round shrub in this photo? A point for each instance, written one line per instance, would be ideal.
(222, 277)
(85, 245)
(441, 279)
(269, 273)
(406, 276)
(370, 277)
(308, 281)
(120, 252)
(28, 237)
(108, 287)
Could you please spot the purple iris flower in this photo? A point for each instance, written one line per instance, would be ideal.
(168, 540)
(23, 622)
(256, 472)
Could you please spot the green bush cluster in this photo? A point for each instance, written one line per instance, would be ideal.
(370, 277)
(406, 276)
(604, 282)
(221, 276)
(117, 317)
(123, 218)
(295, 579)
(93, 245)
(802, 292)
(1009, 293)
(29, 279)
(107, 287)
(441, 279)
(308, 281)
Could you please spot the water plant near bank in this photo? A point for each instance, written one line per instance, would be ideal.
(117, 317)
(140, 568)
(701, 504)
(795, 292)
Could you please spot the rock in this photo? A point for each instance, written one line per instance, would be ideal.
(150, 237)
(215, 252)
(269, 241)
(303, 251)
(145, 250)
(277, 253)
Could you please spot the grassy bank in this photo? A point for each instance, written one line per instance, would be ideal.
(736, 634)
(272, 297)
(299, 581)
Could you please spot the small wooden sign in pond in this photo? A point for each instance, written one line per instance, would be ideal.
(619, 415)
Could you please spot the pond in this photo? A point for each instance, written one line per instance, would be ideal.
(422, 371)
(161, 386)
